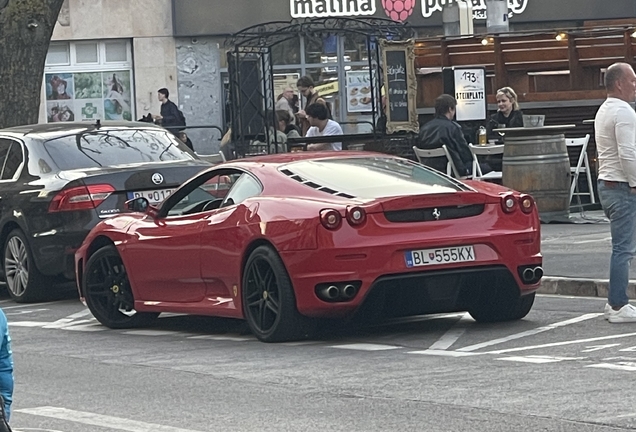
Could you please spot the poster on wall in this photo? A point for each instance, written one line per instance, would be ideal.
(358, 91)
(283, 81)
(470, 92)
(88, 96)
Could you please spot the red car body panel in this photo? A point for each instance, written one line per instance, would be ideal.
(194, 264)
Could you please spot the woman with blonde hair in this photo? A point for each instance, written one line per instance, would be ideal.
(508, 113)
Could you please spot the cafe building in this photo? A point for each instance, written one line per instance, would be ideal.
(114, 55)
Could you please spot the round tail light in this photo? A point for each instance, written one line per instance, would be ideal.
(526, 203)
(508, 203)
(356, 216)
(330, 219)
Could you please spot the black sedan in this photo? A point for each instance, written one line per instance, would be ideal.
(57, 181)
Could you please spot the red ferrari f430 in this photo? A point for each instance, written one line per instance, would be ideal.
(282, 240)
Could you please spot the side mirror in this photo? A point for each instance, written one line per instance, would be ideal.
(139, 205)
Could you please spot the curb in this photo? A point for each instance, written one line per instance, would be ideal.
(580, 287)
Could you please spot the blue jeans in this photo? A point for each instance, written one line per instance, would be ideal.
(619, 204)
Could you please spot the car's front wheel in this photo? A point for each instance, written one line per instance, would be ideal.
(25, 283)
(108, 293)
(269, 303)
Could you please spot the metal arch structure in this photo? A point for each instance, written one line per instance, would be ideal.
(251, 72)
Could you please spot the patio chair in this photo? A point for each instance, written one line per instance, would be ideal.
(582, 166)
(485, 151)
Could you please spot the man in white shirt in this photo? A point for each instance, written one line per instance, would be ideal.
(615, 131)
(318, 117)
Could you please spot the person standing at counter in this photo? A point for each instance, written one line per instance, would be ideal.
(508, 114)
(615, 133)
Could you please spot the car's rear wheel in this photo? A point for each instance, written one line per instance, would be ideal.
(498, 306)
(269, 303)
(108, 292)
(25, 283)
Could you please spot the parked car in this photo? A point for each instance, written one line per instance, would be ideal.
(59, 180)
(279, 240)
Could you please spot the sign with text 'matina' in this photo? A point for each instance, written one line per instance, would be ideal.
(397, 10)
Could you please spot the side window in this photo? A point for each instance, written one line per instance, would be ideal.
(245, 187)
(13, 161)
(5, 146)
(208, 194)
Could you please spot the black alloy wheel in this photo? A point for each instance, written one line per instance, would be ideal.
(269, 303)
(108, 292)
(25, 283)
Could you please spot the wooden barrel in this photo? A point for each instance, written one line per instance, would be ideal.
(538, 165)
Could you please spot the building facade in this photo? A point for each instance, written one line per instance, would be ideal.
(108, 57)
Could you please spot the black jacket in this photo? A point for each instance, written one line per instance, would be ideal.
(515, 119)
(171, 116)
(440, 131)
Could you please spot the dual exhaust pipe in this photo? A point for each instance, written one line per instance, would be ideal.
(337, 292)
(531, 275)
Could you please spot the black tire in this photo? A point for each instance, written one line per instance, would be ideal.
(509, 307)
(269, 303)
(25, 283)
(108, 293)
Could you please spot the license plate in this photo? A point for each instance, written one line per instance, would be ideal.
(154, 197)
(426, 257)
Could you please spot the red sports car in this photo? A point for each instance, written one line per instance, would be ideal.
(283, 239)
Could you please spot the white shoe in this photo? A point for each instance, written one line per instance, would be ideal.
(607, 311)
(626, 314)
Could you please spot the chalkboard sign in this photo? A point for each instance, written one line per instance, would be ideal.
(400, 86)
(398, 92)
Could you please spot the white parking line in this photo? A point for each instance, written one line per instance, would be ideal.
(539, 359)
(366, 347)
(530, 332)
(624, 367)
(555, 344)
(451, 336)
(107, 422)
(444, 353)
(66, 321)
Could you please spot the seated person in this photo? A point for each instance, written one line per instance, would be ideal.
(286, 125)
(318, 118)
(508, 114)
(443, 130)
(183, 137)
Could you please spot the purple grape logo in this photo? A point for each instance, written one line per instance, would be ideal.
(398, 10)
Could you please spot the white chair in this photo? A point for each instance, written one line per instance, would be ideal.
(582, 166)
(441, 152)
(485, 151)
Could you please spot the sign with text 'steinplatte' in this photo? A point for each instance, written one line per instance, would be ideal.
(470, 93)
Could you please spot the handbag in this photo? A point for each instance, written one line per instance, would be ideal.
(4, 424)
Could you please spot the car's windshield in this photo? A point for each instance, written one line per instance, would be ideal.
(115, 147)
(373, 177)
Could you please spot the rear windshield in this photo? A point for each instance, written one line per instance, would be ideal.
(115, 147)
(373, 177)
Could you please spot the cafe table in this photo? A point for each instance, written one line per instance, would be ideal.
(536, 162)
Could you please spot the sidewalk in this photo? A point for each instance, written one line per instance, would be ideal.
(576, 257)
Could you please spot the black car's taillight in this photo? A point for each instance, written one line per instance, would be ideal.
(80, 198)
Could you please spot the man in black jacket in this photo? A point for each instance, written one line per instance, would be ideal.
(443, 130)
(171, 118)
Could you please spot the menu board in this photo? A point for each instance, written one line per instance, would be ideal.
(400, 86)
(397, 94)
(359, 91)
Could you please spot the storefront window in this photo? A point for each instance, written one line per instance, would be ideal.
(287, 52)
(96, 82)
(321, 49)
(355, 48)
